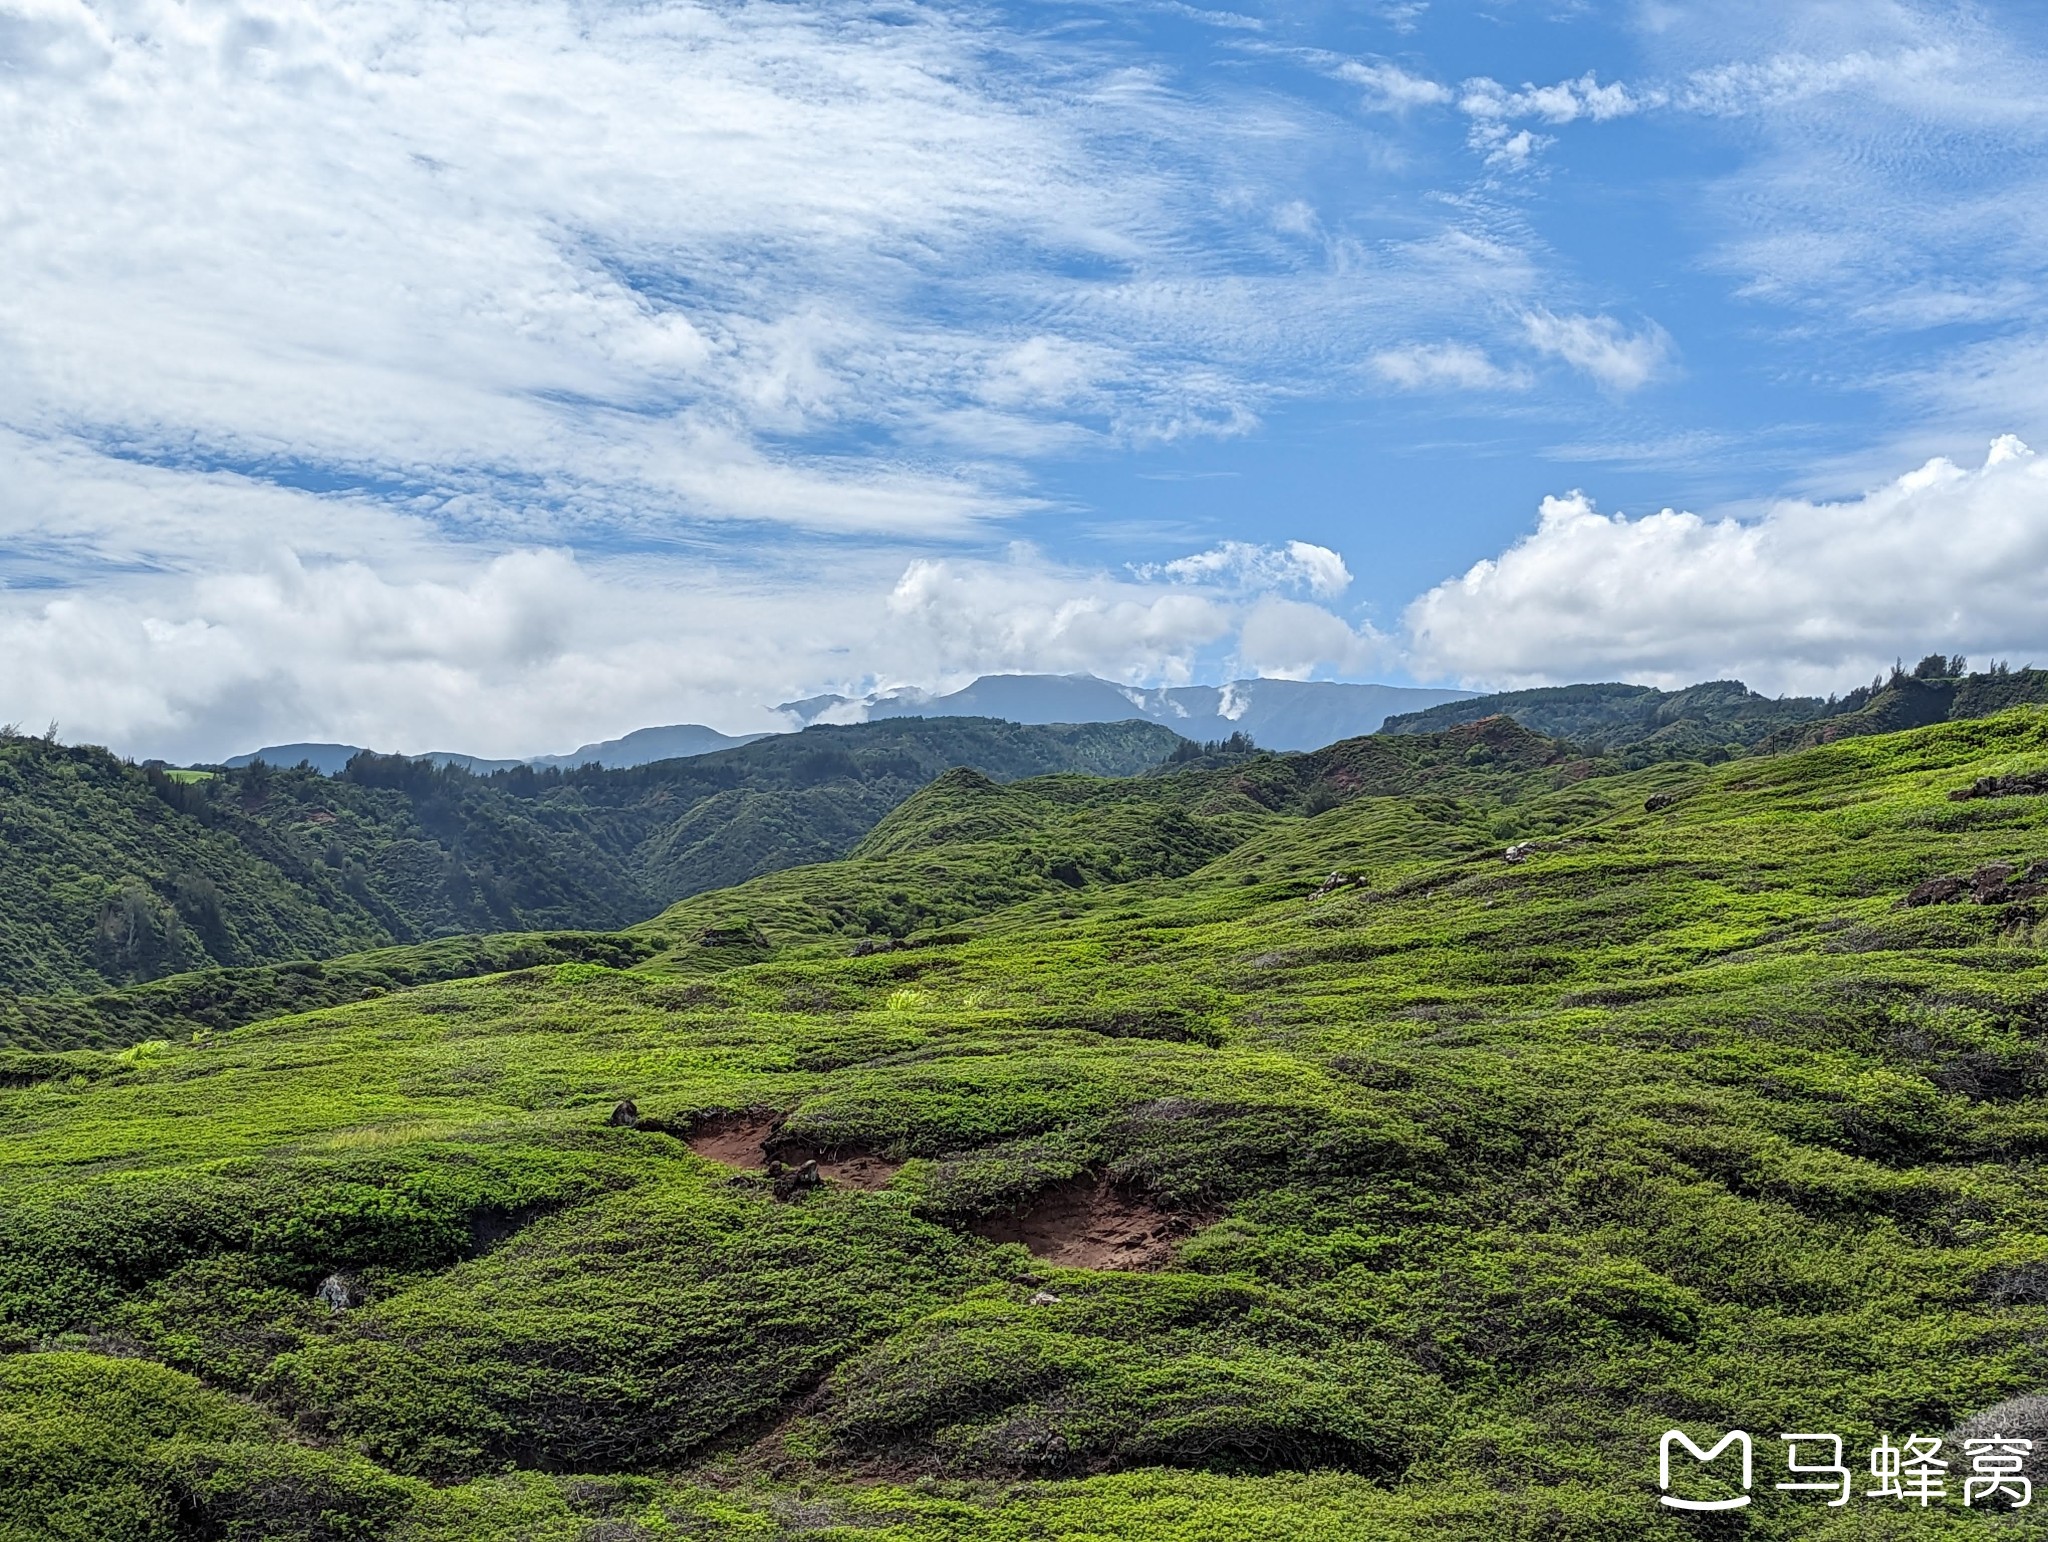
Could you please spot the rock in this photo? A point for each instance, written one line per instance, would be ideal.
(2020, 784)
(1935, 891)
(788, 1184)
(1987, 884)
(1045, 1298)
(1337, 880)
(1521, 851)
(1995, 883)
(1657, 800)
(625, 1116)
(339, 1292)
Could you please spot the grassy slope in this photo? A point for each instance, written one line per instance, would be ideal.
(958, 850)
(1638, 725)
(105, 880)
(1498, 1171)
(213, 999)
(115, 875)
(964, 850)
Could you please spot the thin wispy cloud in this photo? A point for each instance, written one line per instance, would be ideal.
(1618, 357)
(1438, 366)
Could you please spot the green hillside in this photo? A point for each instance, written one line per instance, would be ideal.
(1640, 725)
(1473, 1114)
(116, 875)
(959, 849)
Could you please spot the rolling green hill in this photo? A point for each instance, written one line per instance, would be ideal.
(1474, 1114)
(115, 875)
(959, 849)
(1640, 725)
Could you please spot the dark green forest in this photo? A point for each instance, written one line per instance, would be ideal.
(1639, 725)
(115, 874)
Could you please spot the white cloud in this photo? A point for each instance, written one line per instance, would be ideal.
(1389, 88)
(1809, 597)
(1242, 565)
(1440, 366)
(570, 270)
(1289, 640)
(1602, 347)
(1785, 79)
(1564, 102)
(1494, 111)
(384, 632)
(519, 653)
(1890, 183)
(965, 618)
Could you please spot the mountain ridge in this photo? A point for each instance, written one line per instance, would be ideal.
(643, 746)
(1277, 714)
(120, 874)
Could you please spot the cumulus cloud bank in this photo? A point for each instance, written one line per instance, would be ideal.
(537, 649)
(1809, 597)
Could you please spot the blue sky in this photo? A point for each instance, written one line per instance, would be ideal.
(509, 376)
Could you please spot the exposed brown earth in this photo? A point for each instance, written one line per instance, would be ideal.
(1086, 1224)
(735, 1140)
(752, 1141)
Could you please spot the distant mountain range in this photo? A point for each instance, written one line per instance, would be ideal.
(1278, 714)
(642, 747)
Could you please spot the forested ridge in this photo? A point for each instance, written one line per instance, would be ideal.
(115, 874)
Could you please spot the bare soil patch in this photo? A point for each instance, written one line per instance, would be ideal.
(1087, 1224)
(858, 1170)
(752, 1141)
(736, 1140)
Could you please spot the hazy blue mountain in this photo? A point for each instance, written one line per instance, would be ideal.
(327, 759)
(1278, 714)
(643, 746)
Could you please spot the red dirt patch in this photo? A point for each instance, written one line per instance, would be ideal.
(750, 1141)
(858, 1170)
(735, 1140)
(1087, 1224)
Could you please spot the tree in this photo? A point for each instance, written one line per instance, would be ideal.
(1941, 666)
